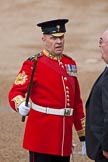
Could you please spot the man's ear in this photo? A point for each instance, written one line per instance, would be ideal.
(44, 39)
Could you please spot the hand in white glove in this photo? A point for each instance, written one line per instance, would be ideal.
(83, 148)
(24, 110)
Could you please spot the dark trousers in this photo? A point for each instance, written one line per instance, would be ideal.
(38, 157)
(102, 160)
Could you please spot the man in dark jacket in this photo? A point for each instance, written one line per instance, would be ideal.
(97, 111)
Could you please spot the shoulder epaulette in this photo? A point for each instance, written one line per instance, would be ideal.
(36, 56)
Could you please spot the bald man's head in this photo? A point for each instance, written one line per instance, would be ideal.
(103, 44)
(105, 35)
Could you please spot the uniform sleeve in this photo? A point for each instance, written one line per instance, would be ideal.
(19, 89)
(79, 116)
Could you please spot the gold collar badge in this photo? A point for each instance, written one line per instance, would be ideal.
(51, 55)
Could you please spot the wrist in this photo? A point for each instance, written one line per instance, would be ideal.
(18, 100)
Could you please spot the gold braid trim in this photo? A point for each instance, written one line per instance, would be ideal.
(83, 123)
(55, 57)
(18, 100)
(21, 78)
(82, 131)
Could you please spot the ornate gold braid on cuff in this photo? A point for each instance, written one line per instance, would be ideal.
(82, 131)
(18, 100)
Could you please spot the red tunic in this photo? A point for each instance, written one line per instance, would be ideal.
(52, 87)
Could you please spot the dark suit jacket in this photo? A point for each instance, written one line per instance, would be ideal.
(97, 118)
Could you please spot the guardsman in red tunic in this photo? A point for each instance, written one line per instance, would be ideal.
(55, 104)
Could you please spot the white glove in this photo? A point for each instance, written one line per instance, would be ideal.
(24, 110)
(83, 148)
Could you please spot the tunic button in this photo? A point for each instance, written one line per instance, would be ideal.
(62, 66)
(67, 92)
(60, 63)
(67, 96)
(68, 99)
(67, 87)
(65, 78)
(68, 104)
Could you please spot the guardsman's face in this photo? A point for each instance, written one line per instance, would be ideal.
(55, 45)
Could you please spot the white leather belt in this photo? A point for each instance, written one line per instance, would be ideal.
(47, 110)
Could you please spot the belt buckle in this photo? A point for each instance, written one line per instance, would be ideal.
(67, 112)
(47, 110)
